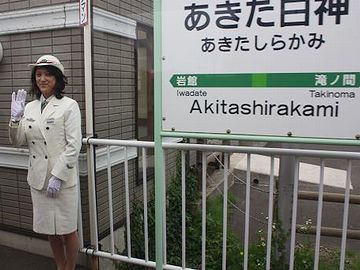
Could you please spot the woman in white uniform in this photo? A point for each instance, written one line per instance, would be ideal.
(51, 127)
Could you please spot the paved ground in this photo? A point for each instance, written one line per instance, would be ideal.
(13, 259)
(307, 210)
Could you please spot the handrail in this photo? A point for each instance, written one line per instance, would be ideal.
(230, 148)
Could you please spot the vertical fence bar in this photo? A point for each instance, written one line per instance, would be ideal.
(110, 200)
(319, 216)
(80, 227)
(270, 214)
(225, 207)
(146, 232)
(294, 213)
(164, 215)
(346, 215)
(92, 199)
(127, 203)
(203, 213)
(183, 209)
(247, 211)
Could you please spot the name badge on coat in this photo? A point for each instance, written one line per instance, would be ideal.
(50, 121)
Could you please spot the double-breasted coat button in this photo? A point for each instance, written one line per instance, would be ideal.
(45, 157)
(30, 126)
(47, 128)
(45, 143)
(34, 156)
(33, 142)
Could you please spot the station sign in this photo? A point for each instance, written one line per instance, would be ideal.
(272, 68)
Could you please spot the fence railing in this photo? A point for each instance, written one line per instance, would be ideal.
(227, 150)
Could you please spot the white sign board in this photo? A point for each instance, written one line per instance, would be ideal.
(261, 67)
(83, 12)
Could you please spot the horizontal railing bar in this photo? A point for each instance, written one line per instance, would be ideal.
(118, 257)
(329, 231)
(263, 151)
(328, 197)
(133, 143)
(229, 148)
(261, 138)
(126, 259)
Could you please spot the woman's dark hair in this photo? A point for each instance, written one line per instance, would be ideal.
(61, 81)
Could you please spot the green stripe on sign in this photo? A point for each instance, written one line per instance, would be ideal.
(211, 80)
(259, 80)
(296, 79)
(248, 80)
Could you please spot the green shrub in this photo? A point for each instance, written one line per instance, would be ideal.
(193, 229)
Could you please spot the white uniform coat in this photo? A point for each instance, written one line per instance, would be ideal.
(54, 141)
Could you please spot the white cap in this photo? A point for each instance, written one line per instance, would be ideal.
(48, 60)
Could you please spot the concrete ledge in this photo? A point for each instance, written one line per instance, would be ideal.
(64, 16)
(308, 172)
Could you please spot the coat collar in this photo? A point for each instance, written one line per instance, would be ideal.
(50, 108)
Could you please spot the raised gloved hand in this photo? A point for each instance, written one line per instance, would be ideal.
(53, 188)
(18, 104)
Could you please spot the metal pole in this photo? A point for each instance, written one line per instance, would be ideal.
(345, 216)
(225, 212)
(247, 211)
(183, 209)
(270, 214)
(293, 215)
(88, 75)
(319, 216)
(285, 197)
(159, 151)
(203, 212)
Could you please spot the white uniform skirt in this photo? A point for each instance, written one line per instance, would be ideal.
(55, 216)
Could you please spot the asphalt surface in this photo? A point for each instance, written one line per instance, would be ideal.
(13, 259)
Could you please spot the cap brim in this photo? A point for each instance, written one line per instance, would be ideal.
(45, 64)
(40, 64)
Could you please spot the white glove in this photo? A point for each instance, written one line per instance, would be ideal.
(18, 104)
(53, 188)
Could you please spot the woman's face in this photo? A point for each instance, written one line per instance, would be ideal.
(45, 81)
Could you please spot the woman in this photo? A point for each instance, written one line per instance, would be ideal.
(51, 127)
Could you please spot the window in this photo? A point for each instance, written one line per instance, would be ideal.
(145, 96)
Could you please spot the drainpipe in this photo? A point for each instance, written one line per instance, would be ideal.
(89, 112)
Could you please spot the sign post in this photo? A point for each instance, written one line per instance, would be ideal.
(160, 229)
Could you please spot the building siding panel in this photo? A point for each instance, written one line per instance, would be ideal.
(19, 51)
